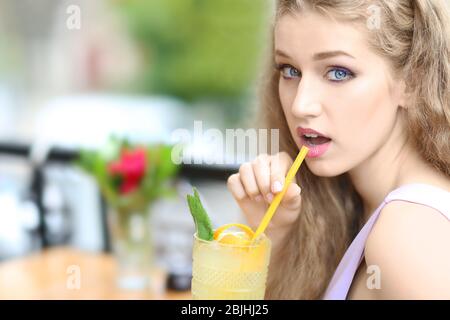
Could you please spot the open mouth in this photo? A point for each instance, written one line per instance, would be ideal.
(314, 139)
(317, 142)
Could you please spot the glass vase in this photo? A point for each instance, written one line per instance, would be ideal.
(132, 246)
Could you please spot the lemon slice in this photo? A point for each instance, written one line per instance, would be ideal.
(231, 238)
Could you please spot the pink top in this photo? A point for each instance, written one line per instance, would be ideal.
(424, 194)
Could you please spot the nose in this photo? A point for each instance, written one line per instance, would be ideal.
(307, 100)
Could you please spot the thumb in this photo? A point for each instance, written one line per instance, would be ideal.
(292, 197)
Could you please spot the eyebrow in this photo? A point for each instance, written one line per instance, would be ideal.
(320, 55)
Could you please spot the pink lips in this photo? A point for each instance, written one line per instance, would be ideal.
(315, 151)
(301, 131)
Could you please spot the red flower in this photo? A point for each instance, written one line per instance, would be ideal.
(130, 167)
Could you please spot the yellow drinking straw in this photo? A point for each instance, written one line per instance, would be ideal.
(277, 199)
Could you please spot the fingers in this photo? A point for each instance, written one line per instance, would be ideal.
(235, 186)
(248, 180)
(263, 178)
(261, 168)
(291, 199)
(255, 185)
(279, 166)
(253, 180)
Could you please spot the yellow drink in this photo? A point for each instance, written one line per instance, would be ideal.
(227, 271)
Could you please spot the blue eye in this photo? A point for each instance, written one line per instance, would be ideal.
(289, 72)
(339, 74)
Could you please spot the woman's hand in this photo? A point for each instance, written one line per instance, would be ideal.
(255, 186)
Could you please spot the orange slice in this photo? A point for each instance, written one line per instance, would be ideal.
(233, 238)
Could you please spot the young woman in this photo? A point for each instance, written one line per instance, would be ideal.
(366, 85)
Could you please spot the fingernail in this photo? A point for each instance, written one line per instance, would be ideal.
(269, 197)
(259, 198)
(300, 191)
(277, 186)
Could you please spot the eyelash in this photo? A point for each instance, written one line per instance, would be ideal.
(349, 73)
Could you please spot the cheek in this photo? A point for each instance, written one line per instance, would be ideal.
(366, 113)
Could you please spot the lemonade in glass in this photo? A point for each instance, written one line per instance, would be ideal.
(230, 269)
(227, 264)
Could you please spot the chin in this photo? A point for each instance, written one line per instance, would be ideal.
(323, 168)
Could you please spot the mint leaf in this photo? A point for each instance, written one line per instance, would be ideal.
(202, 222)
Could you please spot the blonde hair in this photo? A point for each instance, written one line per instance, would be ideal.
(414, 39)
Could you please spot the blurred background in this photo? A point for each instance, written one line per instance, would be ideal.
(72, 73)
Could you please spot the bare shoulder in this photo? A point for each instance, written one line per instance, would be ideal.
(410, 244)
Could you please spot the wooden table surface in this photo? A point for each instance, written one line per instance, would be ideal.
(46, 275)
